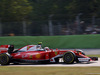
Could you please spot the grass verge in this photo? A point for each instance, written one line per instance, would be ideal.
(93, 56)
(69, 41)
(49, 70)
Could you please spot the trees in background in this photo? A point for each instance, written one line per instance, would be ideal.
(14, 10)
(42, 9)
(64, 9)
(62, 12)
(87, 7)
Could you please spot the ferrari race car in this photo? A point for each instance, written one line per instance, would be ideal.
(35, 53)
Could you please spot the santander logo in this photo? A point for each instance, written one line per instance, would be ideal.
(2, 48)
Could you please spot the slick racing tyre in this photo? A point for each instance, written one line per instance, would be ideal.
(69, 57)
(4, 59)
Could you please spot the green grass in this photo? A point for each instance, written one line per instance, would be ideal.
(93, 55)
(49, 70)
(69, 41)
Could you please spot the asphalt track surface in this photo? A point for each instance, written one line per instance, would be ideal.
(61, 64)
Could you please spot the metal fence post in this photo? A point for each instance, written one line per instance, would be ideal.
(59, 28)
(24, 28)
(0, 28)
(78, 23)
(93, 21)
(50, 26)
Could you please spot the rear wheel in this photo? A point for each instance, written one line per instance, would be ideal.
(69, 57)
(4, 59)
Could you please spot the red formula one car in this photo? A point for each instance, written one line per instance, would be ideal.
(35, 53)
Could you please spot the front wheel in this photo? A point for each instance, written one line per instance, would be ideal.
(69, 57)
(4, 59)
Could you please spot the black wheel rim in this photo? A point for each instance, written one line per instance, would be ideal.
(68, 58)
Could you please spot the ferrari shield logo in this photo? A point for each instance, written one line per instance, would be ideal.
(30, 57)
(55, 53)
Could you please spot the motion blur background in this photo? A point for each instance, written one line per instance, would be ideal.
(49, 17)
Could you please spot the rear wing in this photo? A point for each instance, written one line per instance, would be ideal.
(4, 48)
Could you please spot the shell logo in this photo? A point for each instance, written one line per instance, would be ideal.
(38, 56)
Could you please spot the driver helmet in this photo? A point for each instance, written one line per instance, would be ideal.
(39, 43)
(46, 48)
(38, 47)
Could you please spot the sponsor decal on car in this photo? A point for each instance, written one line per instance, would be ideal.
(56, 53)
(83, 59)
(61, 53)
(24, 56)
(28, 47)
(38, 56)
(2, 48)
(30, 56)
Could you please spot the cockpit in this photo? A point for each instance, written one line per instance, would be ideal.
(33, 48)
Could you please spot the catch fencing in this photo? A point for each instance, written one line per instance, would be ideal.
(50, 27)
